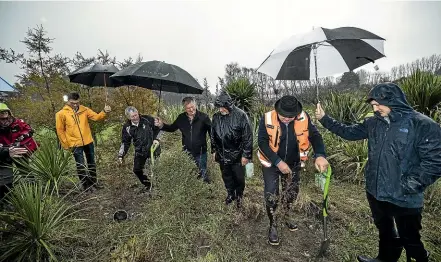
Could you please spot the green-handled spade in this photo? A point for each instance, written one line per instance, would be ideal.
(152, 158)
(326, 177)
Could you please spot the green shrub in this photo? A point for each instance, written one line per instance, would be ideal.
(346, 108)
(351, 158)
(33, 228)
(423, 91)
(49, 165)
(243, 92)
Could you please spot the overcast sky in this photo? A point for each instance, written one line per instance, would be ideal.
(203, 36)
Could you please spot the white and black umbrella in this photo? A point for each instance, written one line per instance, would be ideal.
(322, 52)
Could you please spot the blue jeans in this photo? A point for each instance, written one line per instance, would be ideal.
(87, 175)
(201, 163)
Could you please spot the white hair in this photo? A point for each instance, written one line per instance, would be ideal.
(129, 110)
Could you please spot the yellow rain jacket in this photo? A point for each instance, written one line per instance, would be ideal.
(73, 128)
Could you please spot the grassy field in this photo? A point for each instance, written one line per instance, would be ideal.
(184, 219)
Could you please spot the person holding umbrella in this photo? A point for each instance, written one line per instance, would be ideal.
(73, 130)
(145, 135)
(284, 138)
(404, 159)
(194, 126)
(232, 141)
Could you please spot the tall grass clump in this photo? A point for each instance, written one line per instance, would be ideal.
(243, 93)
(49, 165)
(30, 232)
(346, 108)
(423, 91)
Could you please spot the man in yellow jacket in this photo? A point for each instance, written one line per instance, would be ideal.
(73, 130)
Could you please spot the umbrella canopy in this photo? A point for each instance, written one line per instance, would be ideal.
(157, 75)
(95, 75)
(323, 52)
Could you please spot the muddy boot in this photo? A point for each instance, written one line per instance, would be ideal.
(418, 256)
(273, 236)
(239, 202)
(289, 219)
(98, 186)
(230, 198)
(387, 252)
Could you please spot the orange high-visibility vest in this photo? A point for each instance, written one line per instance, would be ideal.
(301, 129)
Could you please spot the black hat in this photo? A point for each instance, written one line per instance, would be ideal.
(288, 106)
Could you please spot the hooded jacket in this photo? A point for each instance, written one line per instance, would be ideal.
(18, 133)
(73, 128)
(404, 155)
(231, 135)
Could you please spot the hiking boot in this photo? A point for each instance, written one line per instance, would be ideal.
(148, 185)
(239, 202)
(144, 190)
(273, 236)
(385, 254)
(421, 258)
(207, 180)
(229, 199)
(90, 189)
(366, 259)
(98, 186)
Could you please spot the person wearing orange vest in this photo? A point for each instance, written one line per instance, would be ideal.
(284, 138)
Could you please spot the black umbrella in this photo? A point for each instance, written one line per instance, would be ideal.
(95, 75)
(323, 52)
(157, 75)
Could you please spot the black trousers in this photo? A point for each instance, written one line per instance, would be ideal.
(290, 185)
(234, 179)
(408, 224)
(139, 162)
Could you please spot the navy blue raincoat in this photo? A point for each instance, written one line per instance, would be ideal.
(404, 150)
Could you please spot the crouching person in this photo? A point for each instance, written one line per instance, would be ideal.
(140, 130)
(284, 138)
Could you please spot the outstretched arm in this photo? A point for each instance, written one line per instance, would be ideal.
(349, 132)
(126, 141)
(94, 116)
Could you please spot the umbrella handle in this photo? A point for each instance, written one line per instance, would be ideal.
(315, 67)
(105, 88)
